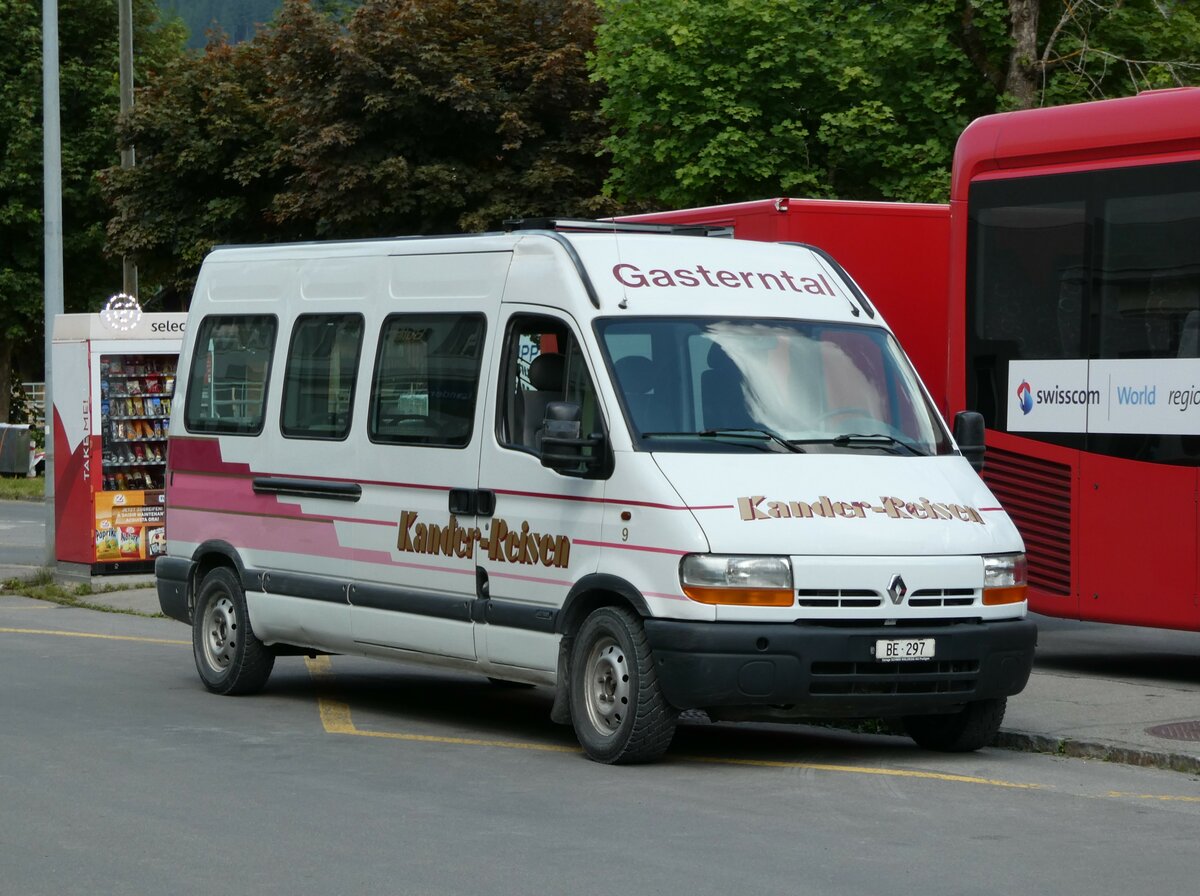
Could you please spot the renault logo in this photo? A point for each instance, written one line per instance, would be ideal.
(896, 589)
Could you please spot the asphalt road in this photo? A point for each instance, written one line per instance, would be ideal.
(120, 774)
(22, 533)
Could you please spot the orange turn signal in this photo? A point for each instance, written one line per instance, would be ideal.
(1013, 594)
(742, 597)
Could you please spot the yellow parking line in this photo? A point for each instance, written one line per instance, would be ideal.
(864, 770)
(43, 631)
(1121, 794)
(336, 719)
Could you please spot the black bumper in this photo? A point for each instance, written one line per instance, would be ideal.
(778, 671)
(171, 576)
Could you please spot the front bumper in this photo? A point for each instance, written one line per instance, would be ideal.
(779, 671)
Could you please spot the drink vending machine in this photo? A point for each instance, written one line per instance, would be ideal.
(114, 382)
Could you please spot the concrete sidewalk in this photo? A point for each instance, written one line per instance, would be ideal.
(1097, 692)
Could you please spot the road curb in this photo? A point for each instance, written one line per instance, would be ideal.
(1024, 742)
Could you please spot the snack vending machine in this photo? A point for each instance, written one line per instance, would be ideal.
(114, 381)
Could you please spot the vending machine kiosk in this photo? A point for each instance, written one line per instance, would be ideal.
(114, 379)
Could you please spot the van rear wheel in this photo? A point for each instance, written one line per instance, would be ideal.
(972, 727)
(617, 708)
(229, 658)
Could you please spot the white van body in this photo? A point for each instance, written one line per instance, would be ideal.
(362, 461)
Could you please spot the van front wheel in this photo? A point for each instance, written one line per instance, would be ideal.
(229, 658)
(972, 727)
(617, 708)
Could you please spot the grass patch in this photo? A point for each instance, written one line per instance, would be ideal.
(22, 488)
(43, 587)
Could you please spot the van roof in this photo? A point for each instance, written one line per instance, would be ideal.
(632, 269)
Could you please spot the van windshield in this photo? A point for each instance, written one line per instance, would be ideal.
(753, 384)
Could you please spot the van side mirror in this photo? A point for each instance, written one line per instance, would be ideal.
(968, 432)
(563, 444)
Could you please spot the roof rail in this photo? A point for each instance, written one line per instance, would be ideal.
(586, 225)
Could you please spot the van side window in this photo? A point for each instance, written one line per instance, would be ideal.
(231, 366)
(318, 382)
(427, 379)
(543, 363)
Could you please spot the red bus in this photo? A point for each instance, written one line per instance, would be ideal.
(1074, 322)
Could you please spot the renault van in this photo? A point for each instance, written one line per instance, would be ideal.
(652, 472)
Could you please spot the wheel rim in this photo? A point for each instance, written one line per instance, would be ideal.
(219, 634)
(606, 686)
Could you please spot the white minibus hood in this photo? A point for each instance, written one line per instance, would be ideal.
(840, 504)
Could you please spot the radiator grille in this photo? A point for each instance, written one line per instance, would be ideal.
(942, 597)
(838, 597)
(1037, 495)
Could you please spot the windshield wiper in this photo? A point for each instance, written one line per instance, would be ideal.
(874, 440)
(747, 433)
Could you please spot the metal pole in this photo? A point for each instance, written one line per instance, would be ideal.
(128, 268)
(52, 219)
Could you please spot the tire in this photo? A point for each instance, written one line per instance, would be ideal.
(617, 709)
(972, 727)
(229, 658)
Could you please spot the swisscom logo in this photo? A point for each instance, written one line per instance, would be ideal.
(1025, 397)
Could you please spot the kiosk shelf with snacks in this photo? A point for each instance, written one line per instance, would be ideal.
(113, 388)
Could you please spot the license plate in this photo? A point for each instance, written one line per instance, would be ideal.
(898, 650)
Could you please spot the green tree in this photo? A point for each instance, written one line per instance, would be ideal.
(205, 171)
(1066, 52)
(20, 187)
(402, 118)
(716, 102)
(749, 98)
(90, 103)
(436, 116)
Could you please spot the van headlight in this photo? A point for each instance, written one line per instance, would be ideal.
(1004, 579)
(743, 581)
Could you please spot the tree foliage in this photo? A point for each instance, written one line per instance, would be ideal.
(205, 169)
(749, 98)
(440, 115)
(1093, 50)
(717, 102)
(89, 94)
(404, 117)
